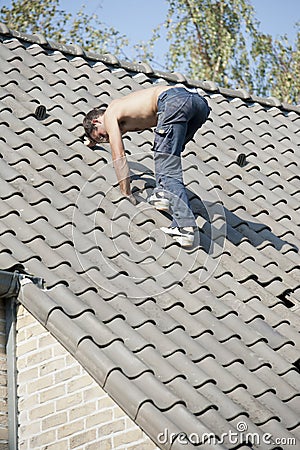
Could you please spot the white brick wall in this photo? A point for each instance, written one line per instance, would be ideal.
(60, 406)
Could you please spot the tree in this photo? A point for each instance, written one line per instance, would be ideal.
(216, 40)
(220, 40)
(45, 16)
(278, 67)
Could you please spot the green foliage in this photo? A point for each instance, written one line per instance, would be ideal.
(220, 40)
(278, 68)
(207, 37)
(46, 17)
(217, 40)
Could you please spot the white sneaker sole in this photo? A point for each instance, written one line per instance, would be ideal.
(161, 205)
(183, 241)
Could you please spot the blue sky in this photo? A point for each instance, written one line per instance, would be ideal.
(137, 18)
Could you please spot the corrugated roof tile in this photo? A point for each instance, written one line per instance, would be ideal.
(190, 341)
(279, 433)
(158, 422)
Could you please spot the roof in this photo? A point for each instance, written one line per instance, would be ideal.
(193, 341)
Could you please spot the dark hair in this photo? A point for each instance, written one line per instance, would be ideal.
(87, 121)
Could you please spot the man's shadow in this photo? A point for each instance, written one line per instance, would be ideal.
(217, 222)
(236, 229)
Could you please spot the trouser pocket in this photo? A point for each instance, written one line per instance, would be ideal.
(163, 139)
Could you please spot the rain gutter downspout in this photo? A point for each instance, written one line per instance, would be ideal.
(10, 284)
(12, 401)
(9, 290)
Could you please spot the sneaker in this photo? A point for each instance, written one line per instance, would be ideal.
(184, 237)
(159, 201)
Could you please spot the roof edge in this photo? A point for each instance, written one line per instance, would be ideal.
(145, 68)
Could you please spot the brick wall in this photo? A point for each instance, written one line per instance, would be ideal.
(60, 405)
(3, 383)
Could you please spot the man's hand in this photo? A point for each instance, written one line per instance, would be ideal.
(89, 143)
(132, 199)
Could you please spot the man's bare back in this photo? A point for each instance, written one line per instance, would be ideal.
(136, 111)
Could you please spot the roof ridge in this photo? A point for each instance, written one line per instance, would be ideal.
(145, 68)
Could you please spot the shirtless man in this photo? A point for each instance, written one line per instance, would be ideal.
(177, 113)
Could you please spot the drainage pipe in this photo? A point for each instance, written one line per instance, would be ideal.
(12, 400)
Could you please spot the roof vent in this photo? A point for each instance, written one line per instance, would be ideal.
(40, 112)
(241, 160)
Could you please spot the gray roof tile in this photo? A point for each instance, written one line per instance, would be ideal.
(40, 311)
(149, 417)
(280, 433)
(186, 421)
(163, 369)
(291, 376)
(191, 341)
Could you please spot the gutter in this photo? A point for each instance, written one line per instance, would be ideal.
(10, 284)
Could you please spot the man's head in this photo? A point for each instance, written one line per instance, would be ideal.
(94, 126)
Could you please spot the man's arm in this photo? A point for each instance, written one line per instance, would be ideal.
(118, 152)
